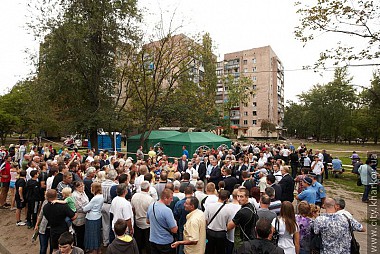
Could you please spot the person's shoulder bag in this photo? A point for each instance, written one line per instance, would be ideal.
(216, 234)
(355, 246)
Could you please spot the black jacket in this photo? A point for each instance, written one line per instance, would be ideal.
(215, 176)
(201, 170)
(230, 182)
(119, 246)
(287, 187)
(259, 246)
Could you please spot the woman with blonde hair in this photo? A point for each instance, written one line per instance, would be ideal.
(287, 228)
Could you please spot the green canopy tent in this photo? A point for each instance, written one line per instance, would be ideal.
(192, 140)
(154, 138)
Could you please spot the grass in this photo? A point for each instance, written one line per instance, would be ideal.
(347, 180)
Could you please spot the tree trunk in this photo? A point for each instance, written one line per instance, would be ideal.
(94, 139)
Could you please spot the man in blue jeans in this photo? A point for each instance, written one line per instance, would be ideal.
(162, 224)
(368, 177)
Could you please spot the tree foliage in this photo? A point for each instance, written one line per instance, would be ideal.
(336, 111)
(78, 67)
(351, 18)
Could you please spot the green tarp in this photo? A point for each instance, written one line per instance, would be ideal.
(192, 140)
(155, 137)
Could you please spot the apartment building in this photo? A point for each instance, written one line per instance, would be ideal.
(265, 70)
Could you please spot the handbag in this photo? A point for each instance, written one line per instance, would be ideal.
(276, 234)
(355, 246)
(216, 234)
(315, 242)
(359, 182)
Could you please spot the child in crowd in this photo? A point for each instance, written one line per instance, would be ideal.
(69, 200)
(12, 184)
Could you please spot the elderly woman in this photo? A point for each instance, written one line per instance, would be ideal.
(92, 235)
(106, 187)
(81, 200)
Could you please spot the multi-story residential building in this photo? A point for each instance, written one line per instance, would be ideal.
(265, 70)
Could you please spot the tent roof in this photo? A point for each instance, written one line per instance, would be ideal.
(196, 137)
(157, 134)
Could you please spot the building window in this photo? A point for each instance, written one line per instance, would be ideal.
(245, 104)
(235, 122)
(245, 70)
(254, 122)
(254, 78)
(244, 62)
(254, 69)
(254, 60)
(246, 113)
(245, 122)
(254, 87)
(254, 104)
(254, 113)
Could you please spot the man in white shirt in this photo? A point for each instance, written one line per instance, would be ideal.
(121, 208)
(340, 205)
(140, 203)
(317, 168)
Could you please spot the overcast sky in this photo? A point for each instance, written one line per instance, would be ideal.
(233, 25)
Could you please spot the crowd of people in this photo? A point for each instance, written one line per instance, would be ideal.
(261, 198)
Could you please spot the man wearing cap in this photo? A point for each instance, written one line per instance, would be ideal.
(319, 190)
(308, 194)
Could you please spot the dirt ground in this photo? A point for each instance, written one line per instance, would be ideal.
(17, 239)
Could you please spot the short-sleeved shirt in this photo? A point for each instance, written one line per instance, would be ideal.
(319, 191)
(308, 195)
(195, 230)
(20, 183)
(141, 202)
(219, 223)
(55, 215)
(160, 223)
(6, 172)
(330, 226)
(246, 219)
(71, 203)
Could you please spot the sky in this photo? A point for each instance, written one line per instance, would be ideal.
(233, 25)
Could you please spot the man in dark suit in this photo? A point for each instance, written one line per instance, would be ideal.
(287, 185)
(182, 164)
(238, 169)
(229, 180)
(215, 175)
(200, 167)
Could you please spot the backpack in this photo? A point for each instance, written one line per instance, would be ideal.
(255, 218)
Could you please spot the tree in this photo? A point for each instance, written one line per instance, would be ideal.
(192, 103)
(79, 68)
(8, 124)
(267, 127)
(238, 92)
(351, 18)
(156, 71)
(371, 105)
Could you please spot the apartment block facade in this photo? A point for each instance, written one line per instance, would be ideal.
(266, 71)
